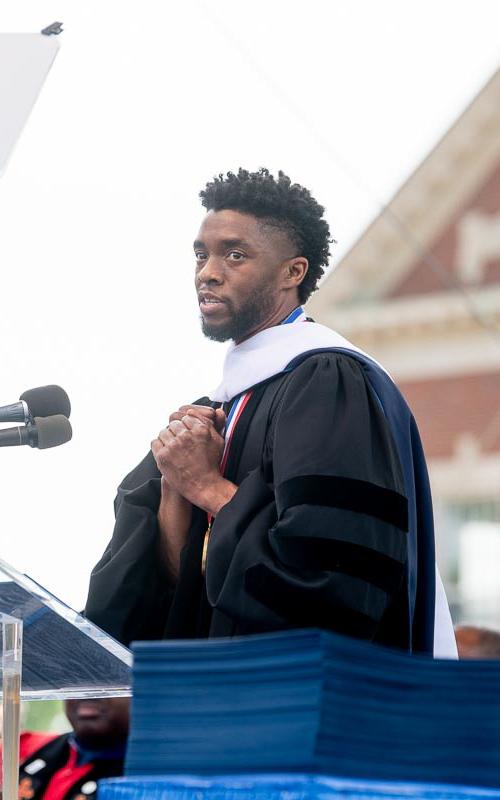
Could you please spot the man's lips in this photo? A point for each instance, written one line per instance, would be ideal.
(210, 303)
(88, 711)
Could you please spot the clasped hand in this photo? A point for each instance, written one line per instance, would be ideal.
(188, 454)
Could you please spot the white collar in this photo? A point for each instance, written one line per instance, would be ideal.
(269, 352)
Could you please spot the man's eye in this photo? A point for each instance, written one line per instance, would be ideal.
(233, 255)
(199, 256)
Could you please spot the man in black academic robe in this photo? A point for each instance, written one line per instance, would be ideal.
(320, 514)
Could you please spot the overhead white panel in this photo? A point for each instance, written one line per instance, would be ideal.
(25, 60)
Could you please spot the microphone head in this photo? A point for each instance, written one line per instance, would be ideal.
(52, 431)
(47, 401)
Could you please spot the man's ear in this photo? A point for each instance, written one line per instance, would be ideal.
(295, 271)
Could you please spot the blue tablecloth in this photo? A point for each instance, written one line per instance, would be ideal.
(280, 787)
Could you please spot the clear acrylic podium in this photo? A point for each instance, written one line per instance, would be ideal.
(48, 651)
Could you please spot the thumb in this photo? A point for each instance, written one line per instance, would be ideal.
(220, 420)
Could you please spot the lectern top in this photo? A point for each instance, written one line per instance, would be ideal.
(64, 654)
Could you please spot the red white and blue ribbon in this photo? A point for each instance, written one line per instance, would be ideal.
(232, 420)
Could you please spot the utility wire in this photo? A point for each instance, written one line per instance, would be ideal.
(449, 280)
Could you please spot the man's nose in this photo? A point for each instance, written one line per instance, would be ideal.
(211, 271)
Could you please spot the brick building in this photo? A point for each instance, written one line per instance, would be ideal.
(420, 290)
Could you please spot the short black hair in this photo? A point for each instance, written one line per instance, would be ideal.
(282, 204)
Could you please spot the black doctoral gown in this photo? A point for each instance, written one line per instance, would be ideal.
(316, 534)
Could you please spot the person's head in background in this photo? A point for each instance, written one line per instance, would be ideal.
(475, 642)
(99, 724)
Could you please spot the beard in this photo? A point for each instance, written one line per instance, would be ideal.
(242, 322)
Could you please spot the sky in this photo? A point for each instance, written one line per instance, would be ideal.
(99, 206)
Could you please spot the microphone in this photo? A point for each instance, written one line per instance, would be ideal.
(45, 401)
(42, 433)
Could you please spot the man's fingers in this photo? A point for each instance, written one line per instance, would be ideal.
(165, 435)
(220, 420)
(192, 421)
(216, 418)
(193, 418)
(156, 446)
(206, 409)
(202, 412)
(179, 416)
(175, 427)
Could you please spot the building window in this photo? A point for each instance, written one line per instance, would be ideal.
(468, 547)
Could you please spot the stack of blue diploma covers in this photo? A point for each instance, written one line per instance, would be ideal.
(312, 703)
(281, 787)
